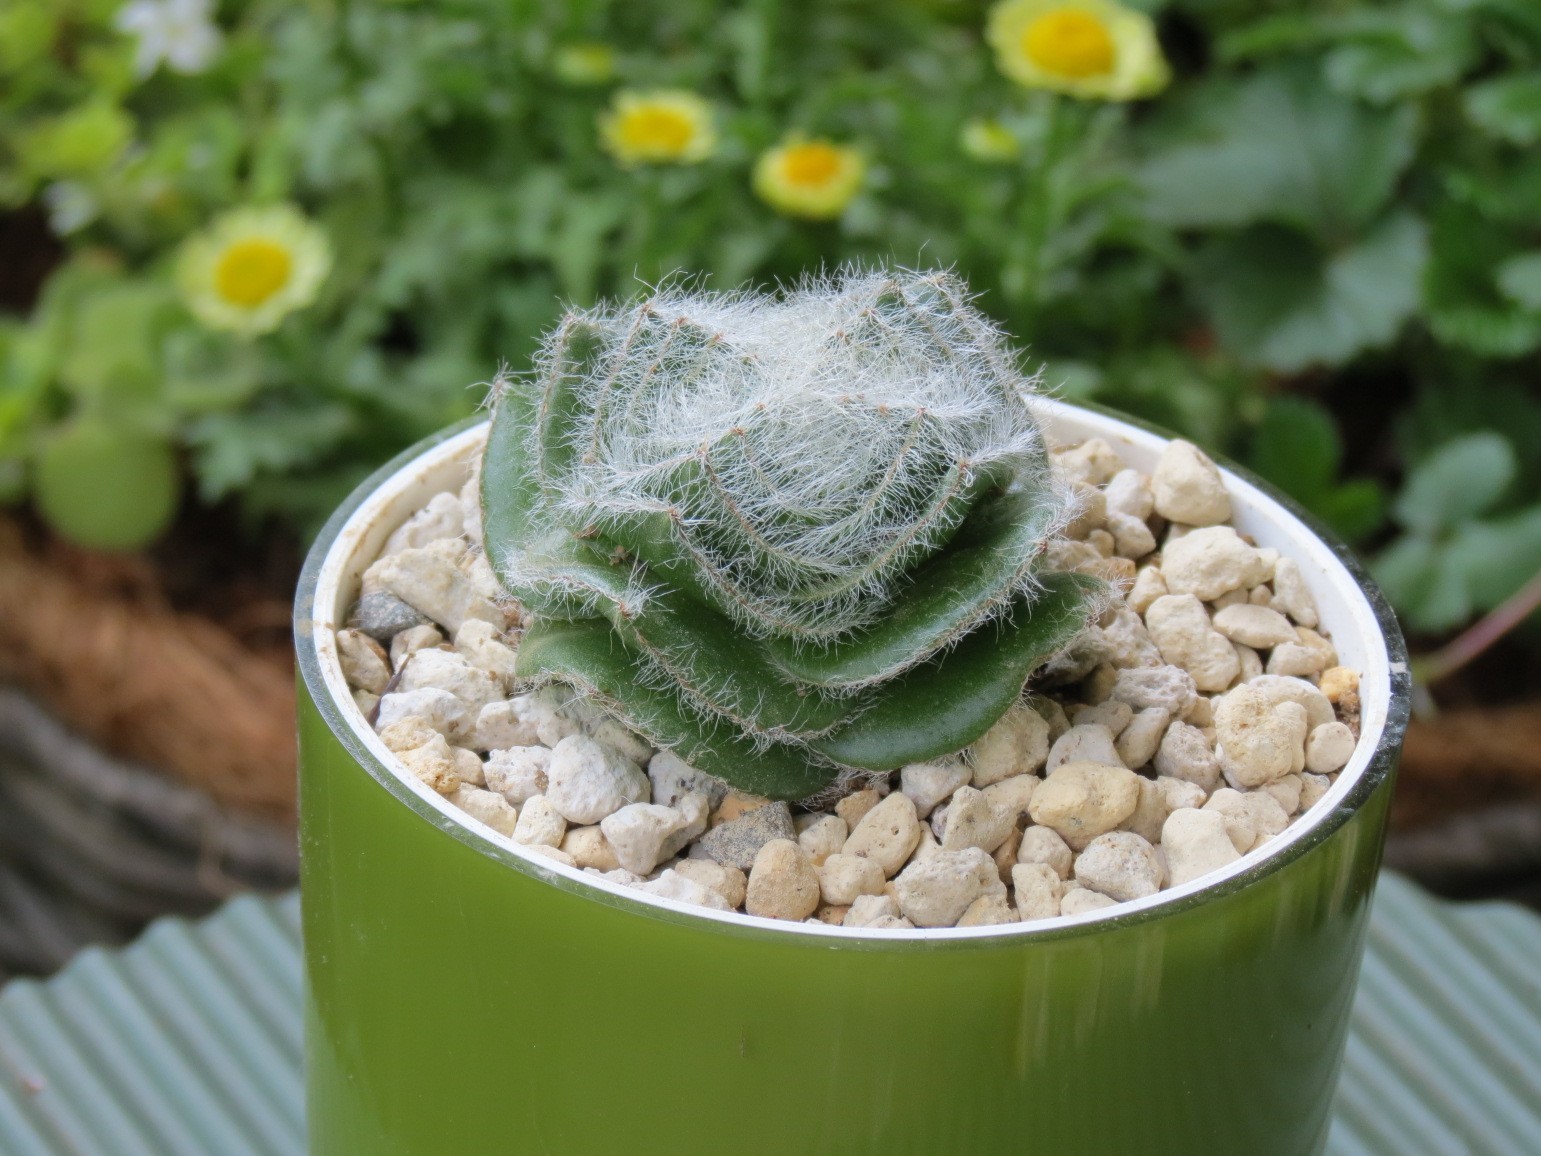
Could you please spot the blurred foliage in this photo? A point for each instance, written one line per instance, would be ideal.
(1331, 196)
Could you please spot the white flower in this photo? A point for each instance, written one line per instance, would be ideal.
(180, 32)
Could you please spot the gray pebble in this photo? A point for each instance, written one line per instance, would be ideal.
(382, 616)
(736, 842)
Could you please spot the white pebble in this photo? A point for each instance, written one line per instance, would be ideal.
(1291, 594)
(822, 837)
(1080, 900)
(1082, 800)
(927, 784)
(1254, 626)
(1017, 744)
(1014, 795)
(1037, 888)
(729, 882)
(1259, 740)
(842, 878)
(1127, 642)
(1179, 626)
(672, 778)
(1131, 536)
(504, 724)
(408, 642)
(1140, 740)
(1312, 788)
(430, 581)
(638, 832)
(1188, 488)
(589, 848)
(1195, 843)
(1329, 748)
(443, 711)
(481, 644)
(486, 807)
(442, 517)
(1286, 792)
(1211, 561)
(1186, 754)
(446, 670)
(671, 884)
(973, 820)
(867, 909)
(1128, 493)
(1044, 845)
(887, 833)
(1170, 687)
(935, 893)
(1149, 584)
(1084, 743)
(1259, 811)
(588, 780)
(364, 662)
(540, 823)
(518, 773)
(1121, 865)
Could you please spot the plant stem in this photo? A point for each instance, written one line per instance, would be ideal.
(1481, 634)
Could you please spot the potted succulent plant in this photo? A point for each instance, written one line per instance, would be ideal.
(809, 550)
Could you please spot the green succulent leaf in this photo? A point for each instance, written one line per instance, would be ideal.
(589, 654)
(948, 597)
(950, 702)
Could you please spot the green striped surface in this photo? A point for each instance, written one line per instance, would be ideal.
(188, 1043)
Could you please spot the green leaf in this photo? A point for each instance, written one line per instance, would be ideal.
(1297, 448)
(1392, 54)
(1278, 147)
(945, 705)
(1460, 480)
(232, 449)
(114, 355)
(1508, 107)
(1356, 509)
(1278, 304)
(106, 488)
(1519, 279)
(588, 654)
(1497, 556)
(1413, 572)
(1463, 299)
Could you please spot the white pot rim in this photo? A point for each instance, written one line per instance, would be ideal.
(1354, 613)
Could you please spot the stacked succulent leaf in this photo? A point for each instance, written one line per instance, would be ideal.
(787, 537)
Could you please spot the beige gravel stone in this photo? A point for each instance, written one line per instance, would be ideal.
(1131, 536)
(1005, 855)
(1286, 792)
(1017, 744)
(822, 837)
(865, 910)
(444, 712)
(1170, 687)
(1014, 795)
(728, 882)
(1037, 889)
(671, 884)
(1149, 584)
(1084, 743)
(504, 724)
(1279, 688)
(1121, 865)
(429, 580)
(1112, 714)
(1210, 561)
(407, 733)
(1127, 642)
(1257, 809)
(1293, 659)
(1140, 740)
(1149, 813)
(364, 661)
(1179, 626)
(844, 877)
(1259, 740)
(1187, 486)
(540, 823)
(1046, 846)
(638, 832)
(518, 773)
(1186, 754)
(486, 807)
(1083, 800)
(854, 807)
(937, 892)
(588, 780)
(1249, 663)
(433, 764)
(481, 644)
(1195, 843)
(1080, 900)
(887, 833)
(987, 911)
(1128, 492)
(1329, 747)
(973, 820)
(469, 767)
(442, 517)
(1180, 793)
(1254, 626)
(928, 784)
(1339, 683)
(410, 641)
(782, 883)
(1312, 788)
(589, 848)
(445, 670)
(1091, 463)
(672, 778)
(1291, 594)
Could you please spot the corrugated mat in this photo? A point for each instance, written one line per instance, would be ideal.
(188, 1043)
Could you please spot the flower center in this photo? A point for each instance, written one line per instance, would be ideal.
(249, 272)
(1069, 42)
(656, 131)
(810, 164)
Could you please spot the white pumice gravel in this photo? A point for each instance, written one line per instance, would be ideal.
(1196, 721)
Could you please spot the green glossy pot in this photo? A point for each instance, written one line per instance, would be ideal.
(466, 998)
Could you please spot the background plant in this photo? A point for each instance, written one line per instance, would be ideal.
(1318, 247)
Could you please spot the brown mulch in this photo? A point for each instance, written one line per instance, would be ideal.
(96, 639)
(1469, 758)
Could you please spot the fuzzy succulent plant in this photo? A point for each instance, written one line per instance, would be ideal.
(791, 537)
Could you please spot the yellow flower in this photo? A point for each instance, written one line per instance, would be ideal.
(584, 63)
(1088, 48)
(815, 179)
(252, 268)
(989, 140)
(664, 126)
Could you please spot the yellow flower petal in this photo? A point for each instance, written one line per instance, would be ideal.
(989, 140)
(665, 126)
(815, 179)
(253, 267)
(1096, 49)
